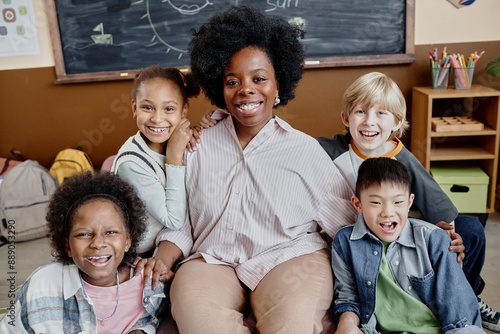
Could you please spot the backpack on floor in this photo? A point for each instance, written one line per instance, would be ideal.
(107, 163)
(68, 162)
(7, 164)
(24, 196)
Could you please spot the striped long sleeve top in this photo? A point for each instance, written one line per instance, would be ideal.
(255, 208)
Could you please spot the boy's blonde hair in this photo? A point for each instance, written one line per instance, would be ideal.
(377, 88)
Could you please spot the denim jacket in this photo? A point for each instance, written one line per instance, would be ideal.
(421, 265)
(53, 300)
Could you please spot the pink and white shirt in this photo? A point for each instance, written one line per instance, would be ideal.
(255, 208)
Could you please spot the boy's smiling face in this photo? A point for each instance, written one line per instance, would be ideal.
(371, 129)
(385, 209)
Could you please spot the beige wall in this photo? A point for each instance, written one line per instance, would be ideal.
(436, 21)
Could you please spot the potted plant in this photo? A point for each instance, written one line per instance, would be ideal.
(493, 67)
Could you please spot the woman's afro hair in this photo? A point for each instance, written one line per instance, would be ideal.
(235, 29)
(83, 187)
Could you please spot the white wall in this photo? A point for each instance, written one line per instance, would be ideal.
(436, 21)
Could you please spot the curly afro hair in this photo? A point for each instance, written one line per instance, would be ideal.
(237, 28)
(83, 187)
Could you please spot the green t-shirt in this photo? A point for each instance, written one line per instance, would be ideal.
(396, 310)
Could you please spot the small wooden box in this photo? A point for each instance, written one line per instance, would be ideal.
(452, 124)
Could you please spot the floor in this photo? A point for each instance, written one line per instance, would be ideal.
(24, 257)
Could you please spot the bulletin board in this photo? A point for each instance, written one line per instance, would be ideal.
(98, 40)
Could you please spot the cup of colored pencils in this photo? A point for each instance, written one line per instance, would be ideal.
(440, 67)
(464, 70)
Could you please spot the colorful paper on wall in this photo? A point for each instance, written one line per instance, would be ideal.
(18, 34)
(461, 3)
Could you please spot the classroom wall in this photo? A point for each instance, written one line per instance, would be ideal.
(40, 118)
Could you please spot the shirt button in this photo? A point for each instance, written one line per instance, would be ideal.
(396, 263)
(369, 283)
(375, 253)
(410, 288)
(237, 192)
(146, 300)
(230, 227)
(367, 316)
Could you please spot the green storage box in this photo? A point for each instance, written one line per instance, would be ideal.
(465, 184)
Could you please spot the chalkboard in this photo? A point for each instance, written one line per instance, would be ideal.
(97, 40)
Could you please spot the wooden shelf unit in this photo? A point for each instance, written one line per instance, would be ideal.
(480, 103)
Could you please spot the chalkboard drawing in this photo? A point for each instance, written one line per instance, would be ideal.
(167, 20)
(102, 38)
(188, 9)
(299, 22)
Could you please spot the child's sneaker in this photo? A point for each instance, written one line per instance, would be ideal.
(490, 318)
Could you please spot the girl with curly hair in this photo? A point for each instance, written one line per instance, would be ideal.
(94, 223)
(151, 160)
(259, 191)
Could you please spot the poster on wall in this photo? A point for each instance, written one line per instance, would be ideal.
(18, 35)
(461, 3)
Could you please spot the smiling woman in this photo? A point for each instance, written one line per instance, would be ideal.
(256, 204)
(250, 91)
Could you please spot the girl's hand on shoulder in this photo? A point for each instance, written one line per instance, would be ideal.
(195, 139)
(178, 142)
(153, 268)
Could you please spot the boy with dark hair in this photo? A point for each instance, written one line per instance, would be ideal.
(394, 273)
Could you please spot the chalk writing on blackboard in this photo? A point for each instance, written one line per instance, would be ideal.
(125, 35)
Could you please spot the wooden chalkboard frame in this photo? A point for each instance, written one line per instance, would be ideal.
(62, 77)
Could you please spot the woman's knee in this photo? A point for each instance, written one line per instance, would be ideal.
(206, 295)
(295, 295)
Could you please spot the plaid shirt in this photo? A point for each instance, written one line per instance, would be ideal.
(53, 300)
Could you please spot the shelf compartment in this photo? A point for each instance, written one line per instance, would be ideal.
(459, 153)
(480, 103)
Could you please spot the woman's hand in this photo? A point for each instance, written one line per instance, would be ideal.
(348, 324)
(456, 244)
(178, 142)
(154, 268)
(205, 123)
